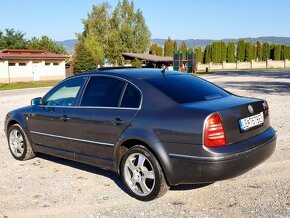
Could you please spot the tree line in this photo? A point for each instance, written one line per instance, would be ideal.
(109, 33)
(15, 39)
(219, 51)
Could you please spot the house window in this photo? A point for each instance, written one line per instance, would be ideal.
(55, 64)
(22, 64)
(11, 64)
(47, 63)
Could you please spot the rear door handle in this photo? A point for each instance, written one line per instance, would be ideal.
(118, 122)
(65, 118)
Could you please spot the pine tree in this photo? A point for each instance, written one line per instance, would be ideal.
(241, 51)
(231, 52)
(287, 53)
(265, 51)
(272, 48)
(259, 51)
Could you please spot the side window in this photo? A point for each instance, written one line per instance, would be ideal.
(65, 94)
(131, 98)
(103, 92)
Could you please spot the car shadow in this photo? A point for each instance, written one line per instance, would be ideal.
(188, 187)
(84, 167)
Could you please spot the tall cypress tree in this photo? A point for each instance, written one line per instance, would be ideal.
(249, 51)
(216, 52)
(272, 48)
(183, 49)
(259, 51)
(231, 52)
(168, 47)
(207, 54)
(287, 52)
(223, 52)
(265, 51)
(277, 52)
(198, 53)
(241, 50)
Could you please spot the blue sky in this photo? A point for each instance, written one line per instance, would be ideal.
(179, 19)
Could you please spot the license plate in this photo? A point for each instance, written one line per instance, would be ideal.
(249, 122)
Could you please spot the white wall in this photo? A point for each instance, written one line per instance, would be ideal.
(26, 73)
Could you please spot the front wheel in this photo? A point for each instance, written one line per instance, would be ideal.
(142, 174)
(19, 145)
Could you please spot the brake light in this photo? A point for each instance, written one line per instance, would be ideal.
(214, 134)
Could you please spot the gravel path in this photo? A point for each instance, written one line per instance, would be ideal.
(53, 187)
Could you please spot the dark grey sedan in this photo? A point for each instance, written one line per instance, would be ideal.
(155, 128)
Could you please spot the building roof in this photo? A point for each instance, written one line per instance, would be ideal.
(147, 57)
(10, 54)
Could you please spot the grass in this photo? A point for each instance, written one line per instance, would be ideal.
(24, 85)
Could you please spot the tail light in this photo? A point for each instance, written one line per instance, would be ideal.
(214, 134)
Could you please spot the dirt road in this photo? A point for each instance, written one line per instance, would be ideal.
(47, 186)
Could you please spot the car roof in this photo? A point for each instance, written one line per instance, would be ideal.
(136, 73)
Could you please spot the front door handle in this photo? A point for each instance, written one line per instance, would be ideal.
(65, 118)
(118, 122)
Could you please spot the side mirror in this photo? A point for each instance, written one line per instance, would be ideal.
(36, 101)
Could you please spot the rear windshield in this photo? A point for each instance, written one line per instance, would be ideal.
(185, 88)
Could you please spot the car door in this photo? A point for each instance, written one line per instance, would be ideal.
(101, 118)
(47, 123)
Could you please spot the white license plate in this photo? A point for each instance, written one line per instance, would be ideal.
(252, 121)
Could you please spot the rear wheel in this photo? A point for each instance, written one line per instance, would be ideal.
(142, 174)
(19, 145)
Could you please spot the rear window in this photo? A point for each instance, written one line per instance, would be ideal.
(185, 88)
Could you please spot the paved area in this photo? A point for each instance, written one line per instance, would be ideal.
(52, 187)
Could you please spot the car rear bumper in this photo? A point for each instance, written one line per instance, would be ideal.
(219, 165)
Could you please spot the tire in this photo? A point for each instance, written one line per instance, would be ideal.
(142, 174)
(19, 145)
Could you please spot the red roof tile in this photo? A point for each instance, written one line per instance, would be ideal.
(29, 54)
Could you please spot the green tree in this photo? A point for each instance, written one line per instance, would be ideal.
(231, 52)
(249, 51)
(159, 51)
(137, 63)
(153, 49)
(287, 53)
(207, 54)
(241, 49)
(168, 47)
(83, 59)
(216, 52)
(277, 52)
(265, 51)
(45, 43)
(12, 39)
(259, 51)
(183, 49)
(272, 49)
(123, 30)
(223, 51)
(174, 45)
(199, 55)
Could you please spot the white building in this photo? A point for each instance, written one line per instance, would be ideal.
(19, 65)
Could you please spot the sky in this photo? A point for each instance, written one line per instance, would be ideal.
(179, 19)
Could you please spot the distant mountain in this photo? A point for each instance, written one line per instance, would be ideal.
(70, 43)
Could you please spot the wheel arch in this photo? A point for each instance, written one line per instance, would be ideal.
(155, 148)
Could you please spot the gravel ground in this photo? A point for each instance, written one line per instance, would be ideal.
(51, 187)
